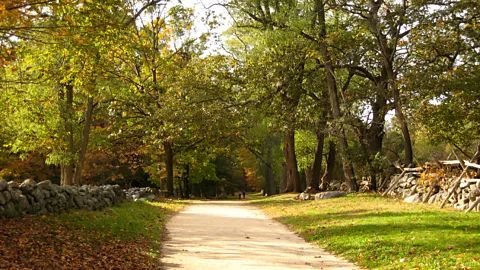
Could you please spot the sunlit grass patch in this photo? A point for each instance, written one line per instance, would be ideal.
(127, 221)
(383, 233)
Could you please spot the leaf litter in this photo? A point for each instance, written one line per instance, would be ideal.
(43, 242)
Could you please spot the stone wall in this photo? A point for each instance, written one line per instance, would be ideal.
(142, 194)
(414, 190)
(40, 198)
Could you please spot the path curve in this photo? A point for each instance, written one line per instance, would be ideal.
(234, 235)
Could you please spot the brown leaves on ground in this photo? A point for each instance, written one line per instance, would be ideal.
(37, 242)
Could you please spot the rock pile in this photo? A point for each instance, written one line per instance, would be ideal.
(142, 194)
(320, 196)
(329, 195)
(337, 185)
(45, 197)
(412, 189)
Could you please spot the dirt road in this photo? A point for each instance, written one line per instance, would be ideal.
(234, 235)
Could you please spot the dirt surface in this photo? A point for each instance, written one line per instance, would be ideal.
(234, 235)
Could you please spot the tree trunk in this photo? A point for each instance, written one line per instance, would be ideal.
(180, 190)
(333, 94)
(388, 53)
(316, 169)
(67, 177)
(167, 147)
(375, 139)
(309, 178)
(63, 175)
(376, 132)
(371, 138)
(302, 176)
(186, 184)
(271, 187)
(85, 138)
(328, 175)
(407, 142)
(128, 183)
(293, 182)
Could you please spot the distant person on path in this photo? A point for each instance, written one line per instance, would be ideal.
(239, 195)
(243, 194)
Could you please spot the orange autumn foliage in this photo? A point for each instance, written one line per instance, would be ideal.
(33, 166)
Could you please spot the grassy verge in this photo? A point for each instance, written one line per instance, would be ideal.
(125, 222)
(382, 233)
(126, 236)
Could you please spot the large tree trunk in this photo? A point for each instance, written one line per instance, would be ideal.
(293, 182)
(271, 188)
(328, 175)
(379, 109)
(333, 94)
(371, 138)
(375, 135)
(302, 175)
(67, 170)
(388, 53)
(167, 147)
(316, 170)
(309, 178)
(85, 139)
(376, 131)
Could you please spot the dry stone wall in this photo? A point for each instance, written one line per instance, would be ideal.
(412, 189)
(304, 196)
(44, 197)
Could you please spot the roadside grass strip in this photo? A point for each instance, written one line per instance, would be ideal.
(382, 233)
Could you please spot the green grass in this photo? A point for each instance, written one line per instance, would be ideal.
(125, 222)
(381, 233)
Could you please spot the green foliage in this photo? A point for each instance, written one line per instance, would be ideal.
(259, 148)
(73, 53)
(305, 143)
(150, 78)
(206, 172)
(445, 71)
(450, 112)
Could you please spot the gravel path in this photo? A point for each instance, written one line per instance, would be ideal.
(233, 235)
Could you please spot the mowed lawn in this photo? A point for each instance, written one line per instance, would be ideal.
(383, 233)
(126, 236)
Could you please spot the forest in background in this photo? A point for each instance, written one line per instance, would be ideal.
(301, 93)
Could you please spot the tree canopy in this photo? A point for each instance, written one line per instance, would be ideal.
(129, 91)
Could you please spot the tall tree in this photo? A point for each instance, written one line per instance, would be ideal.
(390, 23)
(283, 16)
(65, 57)
(333, 94)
